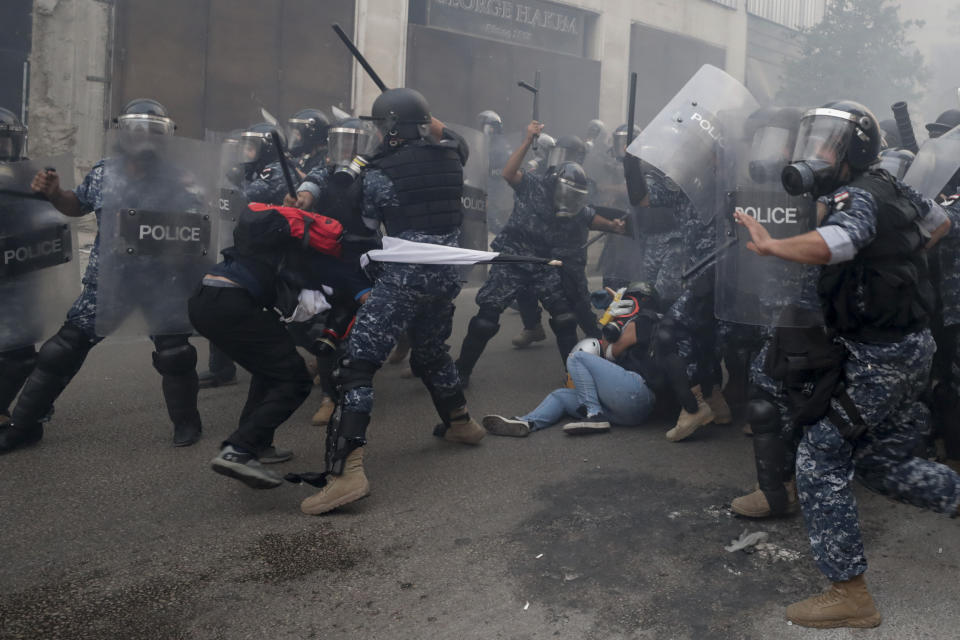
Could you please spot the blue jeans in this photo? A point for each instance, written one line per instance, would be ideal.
(605, 389)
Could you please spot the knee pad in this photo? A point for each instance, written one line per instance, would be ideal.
(63, 353)
(763, 416)
(564, 323)
(174, 356)
(484, 324)
(352, 374)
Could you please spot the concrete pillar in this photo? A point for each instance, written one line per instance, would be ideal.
(382, 38)
(614, 39)
(69, 78)
(736, 63)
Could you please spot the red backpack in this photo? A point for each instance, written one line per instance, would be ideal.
(316, 231)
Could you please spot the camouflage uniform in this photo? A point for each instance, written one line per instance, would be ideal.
(406, 298)
(528, 232)
(947, 333)
(698, 336)
(268, 185)
(663, 251)
(884, 381)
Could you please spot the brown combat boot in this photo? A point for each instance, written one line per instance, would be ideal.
(322, 416)
(528, 336)
(718, 404)
(687, 423)
(845, 604)
(463, 428)
(755, 505)
(349, 487)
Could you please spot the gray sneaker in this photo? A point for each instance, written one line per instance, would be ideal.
(587, 426)
(275, 456)
(245, 468)
(501, 426)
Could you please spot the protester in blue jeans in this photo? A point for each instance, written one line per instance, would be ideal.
(612, 388)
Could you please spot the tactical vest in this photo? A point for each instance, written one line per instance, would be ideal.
(884, 293)
(344, 204)
(428, 180)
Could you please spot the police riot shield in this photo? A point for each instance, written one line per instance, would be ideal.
(935, 164)
(230, 199)
(474, 199)
(499, 194)
(752, 289)
(158, 231)
(683, 140)
(40, 276)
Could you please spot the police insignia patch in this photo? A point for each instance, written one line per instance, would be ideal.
(840, 197)
(266, 173)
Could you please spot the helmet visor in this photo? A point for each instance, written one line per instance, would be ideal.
(346, 143)
(619, 144)
(146, 123)
(251, 147)
(568, 197)
(824, 136)
(559, 155)
(769, 152)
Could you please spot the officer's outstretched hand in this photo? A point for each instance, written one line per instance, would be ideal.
(534, 129)
(46, 182)
(760, 237)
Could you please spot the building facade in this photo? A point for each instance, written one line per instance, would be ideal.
(216, 63)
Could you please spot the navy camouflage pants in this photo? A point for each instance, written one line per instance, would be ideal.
(885, 382)
(390, 312)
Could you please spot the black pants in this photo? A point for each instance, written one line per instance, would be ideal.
(256, 340)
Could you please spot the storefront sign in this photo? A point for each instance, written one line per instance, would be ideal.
(533, 23)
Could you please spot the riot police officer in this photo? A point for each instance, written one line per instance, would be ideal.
(335, 189)
(15, 364)
(413, 186)
(61, 357)
(874, 299)
(307, 131)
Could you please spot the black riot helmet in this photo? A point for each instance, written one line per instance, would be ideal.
(896, 162)
(308, 130)
(570, 189)
(257, 149)
(401, 115)
(891, 134)
(772, 135)
(490, 122)
(146, 115)
(568, 149)
(945, 121)
(618, 148)
(838, 132)
(13, 137)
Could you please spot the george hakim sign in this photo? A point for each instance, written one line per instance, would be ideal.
(532, 23)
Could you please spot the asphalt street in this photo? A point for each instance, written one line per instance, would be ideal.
(108, 532)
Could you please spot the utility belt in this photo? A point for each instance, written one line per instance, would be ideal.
(809, 363)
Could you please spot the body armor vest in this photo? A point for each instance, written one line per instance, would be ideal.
(884, 293)
(428, 179)
(345, 205)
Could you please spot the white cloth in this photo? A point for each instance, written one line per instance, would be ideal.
(400, 250)
(311, 303)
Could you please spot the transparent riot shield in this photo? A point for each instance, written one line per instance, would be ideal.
(158, 230)
(683, 140)
(752, 289)
(499, 194)
(474, 199)
(230, 200)
(39, 272)
(938, 160)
